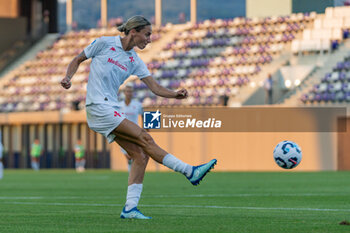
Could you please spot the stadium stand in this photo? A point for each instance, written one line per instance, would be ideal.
(12, 53)
(328, 30)
(212, 59)
(34, 85)
(334, 86)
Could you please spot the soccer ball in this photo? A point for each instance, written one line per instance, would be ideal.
(287, 154)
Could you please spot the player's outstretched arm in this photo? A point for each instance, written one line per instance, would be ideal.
(162, 91)
(72, 68)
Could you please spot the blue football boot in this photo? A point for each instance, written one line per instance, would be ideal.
(198, 172)
(134, 213)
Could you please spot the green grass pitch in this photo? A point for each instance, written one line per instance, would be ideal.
(64, 201)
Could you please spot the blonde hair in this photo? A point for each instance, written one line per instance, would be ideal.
(136, 22)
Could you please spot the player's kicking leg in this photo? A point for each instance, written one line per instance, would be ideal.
(129, 132)
(133, 133)
(127, 135)
(136, 175)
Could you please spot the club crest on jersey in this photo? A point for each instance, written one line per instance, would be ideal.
(131, 59)
(117, 114)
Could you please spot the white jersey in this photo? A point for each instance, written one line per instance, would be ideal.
(132, 111)
(111, 65)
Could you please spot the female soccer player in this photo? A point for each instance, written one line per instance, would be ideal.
(113, 61)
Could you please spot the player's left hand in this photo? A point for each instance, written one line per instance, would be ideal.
(181, 94)
(66, 83)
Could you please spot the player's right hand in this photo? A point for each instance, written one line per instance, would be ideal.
(66, 83)
(181, 94)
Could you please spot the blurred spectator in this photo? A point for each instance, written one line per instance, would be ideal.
(182, 18)
(35, 153)
(115, 22)
(1, 165)
(335, 45)
(99, 23)
(75, 105)
(153, 20)
(223, 100)
(346, 33)
(62, 157)
(268, 89)
(132, 108)
(46, 17)
(74, 25)
(79, 153)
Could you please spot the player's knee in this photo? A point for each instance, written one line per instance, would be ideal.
(141, 158)
(145, 159)
(146, 139)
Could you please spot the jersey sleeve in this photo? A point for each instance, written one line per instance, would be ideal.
(141, 69)
(94, 48)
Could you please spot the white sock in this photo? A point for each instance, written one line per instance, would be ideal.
(1, 170)
(177, 165)
(35, 166)
(133, 196)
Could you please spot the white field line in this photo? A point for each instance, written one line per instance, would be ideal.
(256, 195)
(185, 196)
(183, 206)
(20, 198)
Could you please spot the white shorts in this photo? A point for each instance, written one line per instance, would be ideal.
(104, 118)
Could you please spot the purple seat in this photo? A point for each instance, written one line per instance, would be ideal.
(340, 96)
(316, 88)
(342, 76)
(339, 66)
(174, 83)
(327, 78)
(209, 100)
(196, 93)
(304, 98)
(330, 87)
(332, 97)
(347, 65)
(347, 96)
(318, 97)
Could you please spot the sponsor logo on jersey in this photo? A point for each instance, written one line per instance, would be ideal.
(110, 60)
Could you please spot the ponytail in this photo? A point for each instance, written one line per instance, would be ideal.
(136, 22)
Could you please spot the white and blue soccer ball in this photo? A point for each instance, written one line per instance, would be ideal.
(287, 154)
